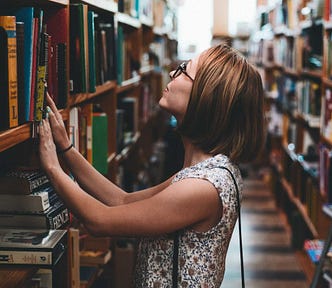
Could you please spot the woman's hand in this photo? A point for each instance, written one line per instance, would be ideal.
(47, 150)
(58, 130)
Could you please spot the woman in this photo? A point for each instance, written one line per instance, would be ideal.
(217, 99)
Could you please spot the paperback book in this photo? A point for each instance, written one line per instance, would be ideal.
(37, 247)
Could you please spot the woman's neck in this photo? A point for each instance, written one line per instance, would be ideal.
(192, 154)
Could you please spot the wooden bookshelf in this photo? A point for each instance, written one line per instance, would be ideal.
(294, 53)
(143, 34)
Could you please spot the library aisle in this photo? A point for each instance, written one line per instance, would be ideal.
(268, 257)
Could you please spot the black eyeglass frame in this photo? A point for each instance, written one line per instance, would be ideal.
(181, 69)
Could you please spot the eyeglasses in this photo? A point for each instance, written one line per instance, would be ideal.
(181, 69)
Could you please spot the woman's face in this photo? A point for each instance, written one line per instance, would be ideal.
(176, 95)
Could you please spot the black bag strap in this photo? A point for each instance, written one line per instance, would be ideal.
(175, 260)
(176, 241)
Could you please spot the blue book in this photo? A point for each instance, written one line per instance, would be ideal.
(25, 15)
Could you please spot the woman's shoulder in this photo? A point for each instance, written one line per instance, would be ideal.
(213, 165)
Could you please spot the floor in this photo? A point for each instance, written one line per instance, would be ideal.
(268, 259)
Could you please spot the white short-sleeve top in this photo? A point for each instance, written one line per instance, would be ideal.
(201, 254)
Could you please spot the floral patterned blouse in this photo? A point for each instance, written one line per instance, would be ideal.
(201, 254)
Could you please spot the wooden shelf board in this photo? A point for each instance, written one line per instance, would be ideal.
(316, 74)
(107, 5)
(327, 82)
(128, 20)
(129, 84)
(301, 208)
(14, 136)
(76, 99)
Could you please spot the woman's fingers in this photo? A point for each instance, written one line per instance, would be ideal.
(53, 107)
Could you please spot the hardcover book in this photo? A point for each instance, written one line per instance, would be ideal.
(22, 115)
(8, 73)
(37, 247)
(25, 15)
(79, 60)
(24, 203)
(55, 217)
(23, 181)
(99, 142)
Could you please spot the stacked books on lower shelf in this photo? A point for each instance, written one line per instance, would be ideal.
(28, 200)
(33, 222)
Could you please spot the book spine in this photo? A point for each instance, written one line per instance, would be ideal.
(26, 257)
(24, 203)
(25, 15)
(59, 219)
(91, 53)
(62, 81)
(9, 24)
(22, 116)
(41, 77)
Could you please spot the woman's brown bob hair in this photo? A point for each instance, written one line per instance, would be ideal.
(225, 113)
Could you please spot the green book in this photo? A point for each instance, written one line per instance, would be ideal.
(100, 142)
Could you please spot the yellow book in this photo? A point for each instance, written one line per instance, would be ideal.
(8, 24)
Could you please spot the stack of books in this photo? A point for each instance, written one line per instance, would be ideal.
(28, 200)
(33, 221)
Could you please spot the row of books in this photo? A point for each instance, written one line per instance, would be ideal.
(326, 118)
(88, 130)
(92, 49)
(32, 53)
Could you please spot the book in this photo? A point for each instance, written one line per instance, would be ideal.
(79, 61)
(38, 32)
(61, 72)
(57, 22)
(86, 131)
(55, 217)
(131, 114)
(42, 278)
(32, 246)
(21, 99)
(91, 47)
(25, 15)
(8, 73)
(34, 67)
(100, 142)
(41, 78)
(314, 248)
(106, 50)
(24, 203)
(23, 181)
(74, 127)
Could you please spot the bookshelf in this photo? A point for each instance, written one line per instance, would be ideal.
(133, 52)
(291, 48)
